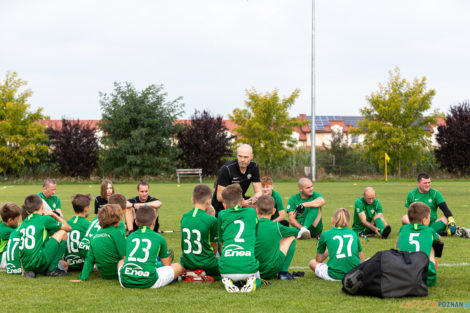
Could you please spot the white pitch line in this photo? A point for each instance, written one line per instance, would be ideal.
(438, 265)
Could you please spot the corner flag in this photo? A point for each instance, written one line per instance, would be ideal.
(387, 160)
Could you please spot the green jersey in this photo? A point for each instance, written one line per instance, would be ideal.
(5, 232)
(237, 232)
(140, 268)
(107, 248)
(198, 229)
(417, 237)
(74, 257)
(34, 232)
(432, 199)
(268, 237)
(277, 204)
(369, 209)
(93, 227)
(13, 254)
(53, 202)
(343, 247)
(295, 200)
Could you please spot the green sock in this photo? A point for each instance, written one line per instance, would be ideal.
(258, 283)
(58, 256)
(439, 226)
(289, 257)
(159, 264)
(310, 217)
(380, 224)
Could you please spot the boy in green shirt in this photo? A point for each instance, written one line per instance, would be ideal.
(108, 246)
(10, 214)
(344, 249)
(237, 236)
(368, 215)
(13, 264)
(84, 245)
(304, 210)
(139, 267)
(79, 224)
(275, 243)
(267, 189)
(418, 236)
(199, 235)
(40, 253)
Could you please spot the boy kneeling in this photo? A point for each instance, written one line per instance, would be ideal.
(418, 236)
(139, 268)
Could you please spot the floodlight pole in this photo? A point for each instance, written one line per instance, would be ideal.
(312, 122)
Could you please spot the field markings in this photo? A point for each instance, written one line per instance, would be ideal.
(438, 265)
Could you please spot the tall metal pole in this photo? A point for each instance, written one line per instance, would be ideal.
(312, 123)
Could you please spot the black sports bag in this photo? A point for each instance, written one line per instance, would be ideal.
(389, 274)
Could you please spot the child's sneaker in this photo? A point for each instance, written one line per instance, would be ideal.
(304, 233)
(250, 285)
(229, 286)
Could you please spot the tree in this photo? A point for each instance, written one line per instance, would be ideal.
(265, 125)
(21, 137)
(339, 150)
(394, 121)
(204, 143)
(74, 148)
(139, 128)
(454, 140)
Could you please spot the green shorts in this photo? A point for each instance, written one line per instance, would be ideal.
(432, 274)
(271, 270)
(46, 256)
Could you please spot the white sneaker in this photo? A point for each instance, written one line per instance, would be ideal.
(304, 233)
(250, 285)
(229, 286)
(465, 232)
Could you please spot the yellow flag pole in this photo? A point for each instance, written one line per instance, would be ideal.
(385, 167)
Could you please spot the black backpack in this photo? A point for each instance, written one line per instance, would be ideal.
(389, 274)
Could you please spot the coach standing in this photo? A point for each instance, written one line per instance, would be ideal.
(242, 171)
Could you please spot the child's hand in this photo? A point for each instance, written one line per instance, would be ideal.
(75, 281)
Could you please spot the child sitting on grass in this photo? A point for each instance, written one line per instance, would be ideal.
(139, 268)
(275, 243)
(79, 224)
(10, 214)
(418, 236)
(43, 240)
(341, 245)
(199, 235)
(108, 246)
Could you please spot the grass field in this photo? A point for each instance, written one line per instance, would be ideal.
(307, 294)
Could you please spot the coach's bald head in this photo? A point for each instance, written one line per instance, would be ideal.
(369, 195)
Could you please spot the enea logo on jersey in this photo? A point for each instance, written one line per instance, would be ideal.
(84, 244)
(74, 260)
(133, 269)
(235, 250)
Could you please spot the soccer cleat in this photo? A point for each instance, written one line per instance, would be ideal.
(250, 285)
(285, 276)
(386, 232)
(57, 272)
(304, 233)
(300, 209)
(30, 274)
(298, 274)
(229, 286)
(265, 282)
(464, 232)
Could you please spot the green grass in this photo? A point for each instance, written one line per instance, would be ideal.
(309, 293)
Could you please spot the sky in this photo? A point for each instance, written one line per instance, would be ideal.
(210, 52)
